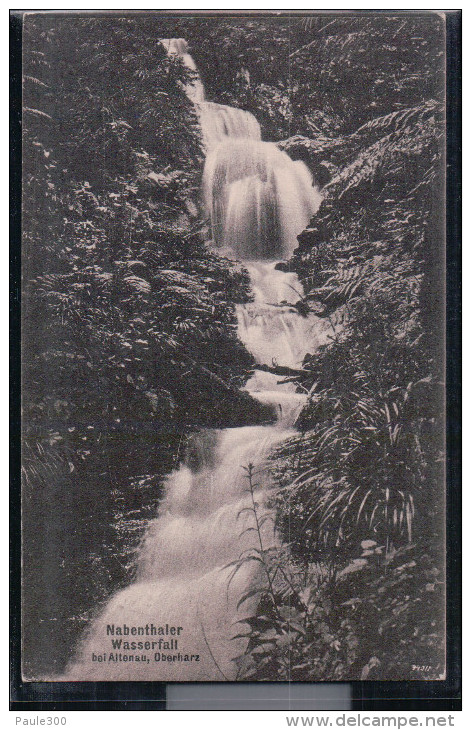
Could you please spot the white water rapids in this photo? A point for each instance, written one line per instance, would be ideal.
(258, 201)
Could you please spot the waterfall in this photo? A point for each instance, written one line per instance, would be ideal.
(219, 123)
(258, 199)
(179, 47)
(184, 601)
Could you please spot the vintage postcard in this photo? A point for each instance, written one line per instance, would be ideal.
(233, 338)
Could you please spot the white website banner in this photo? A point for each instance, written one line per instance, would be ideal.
(181, 720)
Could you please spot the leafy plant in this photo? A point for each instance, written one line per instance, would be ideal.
(379, 617)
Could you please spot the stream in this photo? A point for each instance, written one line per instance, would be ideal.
(178, 619)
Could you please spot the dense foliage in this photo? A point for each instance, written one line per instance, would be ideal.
(320, 74)
(129, 326)
(357, 589)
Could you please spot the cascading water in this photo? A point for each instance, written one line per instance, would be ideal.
(179, 47)
(257, 197)
(219, 123)
(258, 200)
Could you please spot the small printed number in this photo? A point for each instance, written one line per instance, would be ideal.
(421, 668)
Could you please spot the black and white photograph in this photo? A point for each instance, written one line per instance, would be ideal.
(233, 231)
